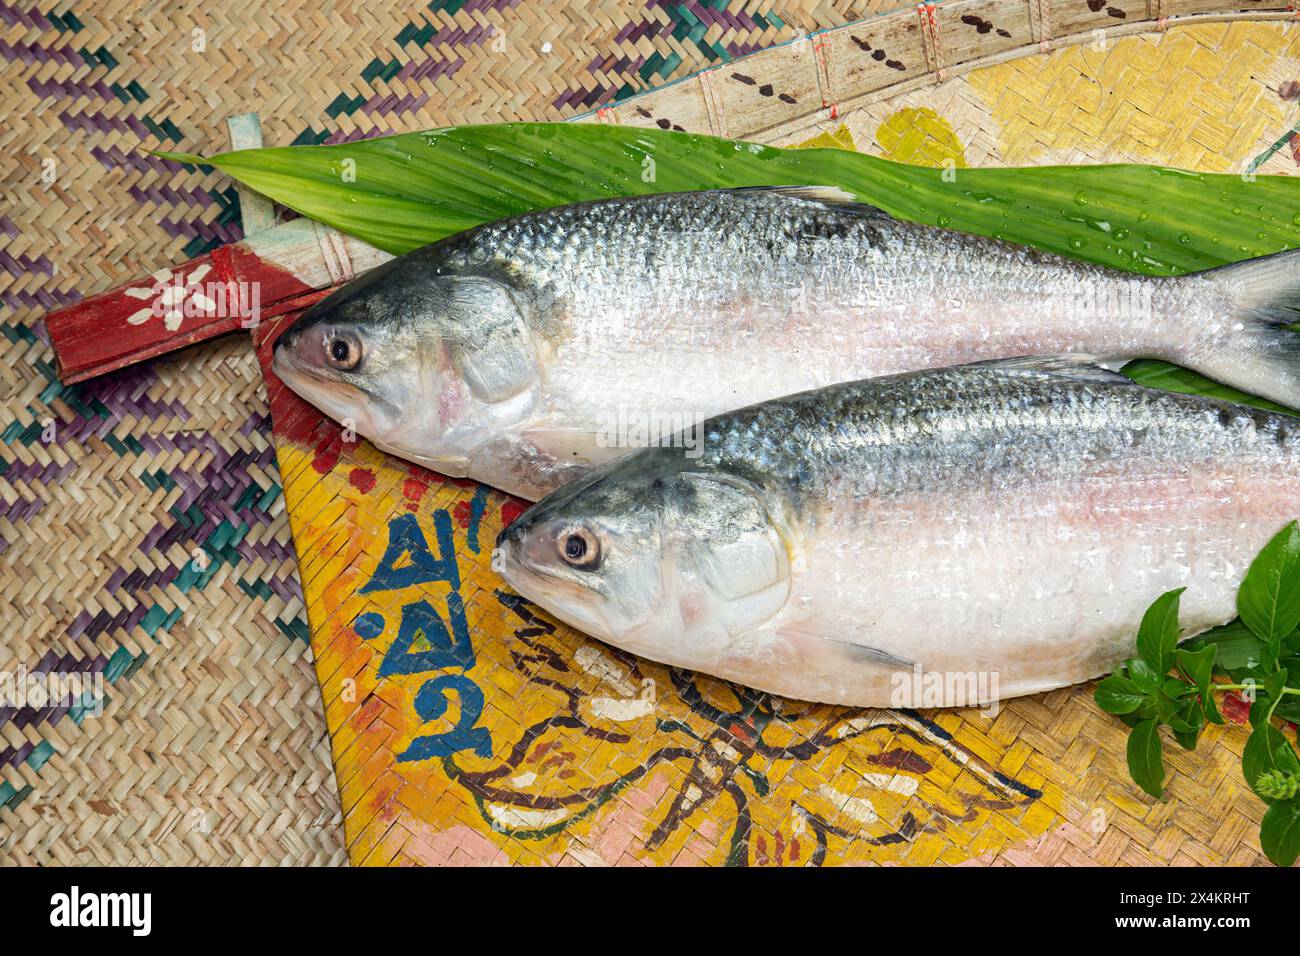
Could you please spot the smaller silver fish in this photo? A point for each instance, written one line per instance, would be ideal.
(940, 538)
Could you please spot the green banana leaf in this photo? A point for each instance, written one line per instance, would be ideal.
(402, 192)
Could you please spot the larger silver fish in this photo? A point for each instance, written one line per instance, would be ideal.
(525, 351)
(932, 539)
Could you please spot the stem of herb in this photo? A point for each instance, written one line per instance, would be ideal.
(1285, 690)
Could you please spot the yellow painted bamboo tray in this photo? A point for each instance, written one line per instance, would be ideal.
(469, 727)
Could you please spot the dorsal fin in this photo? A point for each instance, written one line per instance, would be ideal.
(822, 195)
(1078, 366)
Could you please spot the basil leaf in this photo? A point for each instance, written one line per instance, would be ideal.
(1292, 667)
(1237, 646)
(1118, 695)
(1269, 597)
(1210, 708)
(1188, 719)
(1144, 675)
(1158, 634)
(1288, 709)
(1146, 763)
(1166, 708)
(1279, 832)
(1199, 668)
(1285, 758)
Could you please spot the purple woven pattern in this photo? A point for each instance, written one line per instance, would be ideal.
(144, 549)
(157, 701)
(147, 565)
(692, 33)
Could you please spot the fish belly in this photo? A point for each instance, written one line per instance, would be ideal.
(955, 602)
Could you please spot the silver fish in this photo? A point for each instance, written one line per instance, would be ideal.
(523, 352)
(937, 538)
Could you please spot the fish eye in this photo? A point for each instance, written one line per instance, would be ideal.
(579, 548)
(343, 351)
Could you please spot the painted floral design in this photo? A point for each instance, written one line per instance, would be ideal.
(726, 774)
(174, 298)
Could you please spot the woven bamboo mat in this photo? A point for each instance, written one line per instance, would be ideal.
(212, 748)
(143, 534)
(468, 727)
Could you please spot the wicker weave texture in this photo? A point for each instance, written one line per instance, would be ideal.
(212, 748)
(146, 539)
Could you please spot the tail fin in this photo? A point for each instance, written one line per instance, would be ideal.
(1260, 350)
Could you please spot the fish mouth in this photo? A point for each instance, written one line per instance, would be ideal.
(515, 567)
(557, 595)
(282, 357)
(340, 400)
(336, 398)
(303, 379)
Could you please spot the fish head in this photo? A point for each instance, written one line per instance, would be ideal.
(428, 366)
(672, 563)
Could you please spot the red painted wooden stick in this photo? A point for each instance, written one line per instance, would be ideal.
(233, 287)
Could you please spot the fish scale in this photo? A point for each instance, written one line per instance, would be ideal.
(986, 419)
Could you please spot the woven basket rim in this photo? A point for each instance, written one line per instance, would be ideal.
(941, 62)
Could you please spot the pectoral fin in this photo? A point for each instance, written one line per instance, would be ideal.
(812, 638)
(571, 445)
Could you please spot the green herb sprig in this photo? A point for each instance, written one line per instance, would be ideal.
(1259, 655)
